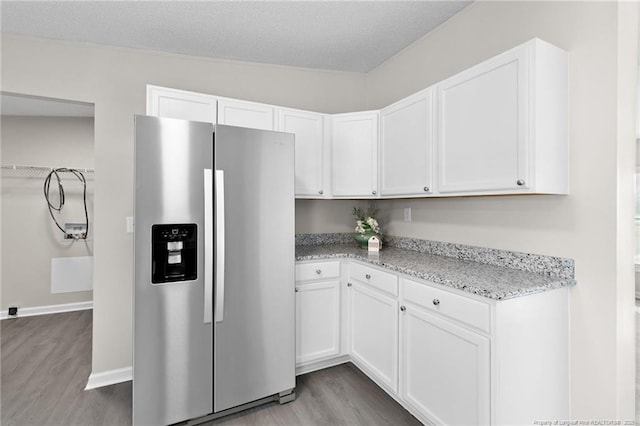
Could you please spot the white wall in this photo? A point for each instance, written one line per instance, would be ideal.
(114, 80)
(318, 216)
(591, 225)
(30, 238)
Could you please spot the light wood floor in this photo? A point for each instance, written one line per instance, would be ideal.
(46, 361)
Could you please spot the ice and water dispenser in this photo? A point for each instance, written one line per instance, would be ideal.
(174, 253)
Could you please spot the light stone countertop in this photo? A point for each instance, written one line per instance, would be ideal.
(494, 282)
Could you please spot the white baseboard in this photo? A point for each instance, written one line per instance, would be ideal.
(110, 377)
(50, 309)
(319, 365)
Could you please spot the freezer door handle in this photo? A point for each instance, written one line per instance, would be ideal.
(208, 245)
(219, 270)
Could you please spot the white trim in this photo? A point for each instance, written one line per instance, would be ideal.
(308, 367)
(50, 309)
(109, 377)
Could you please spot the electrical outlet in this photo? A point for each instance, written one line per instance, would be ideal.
(407, 214)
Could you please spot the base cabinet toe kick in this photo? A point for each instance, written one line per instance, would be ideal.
(447, 356)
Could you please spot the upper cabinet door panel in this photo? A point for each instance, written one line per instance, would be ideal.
(482, 144)
(172, 103)
(406, 146)
(354, 156)
(502, 125)
(308, 128)
(246, 114)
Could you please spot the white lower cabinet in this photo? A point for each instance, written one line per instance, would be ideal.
(318, 312)
(373, 333)
(317, 321)
(449, 357)
(445, 369)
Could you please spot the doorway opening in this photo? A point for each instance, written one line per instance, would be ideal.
(45, 269)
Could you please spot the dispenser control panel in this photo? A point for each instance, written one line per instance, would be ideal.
(174, 252)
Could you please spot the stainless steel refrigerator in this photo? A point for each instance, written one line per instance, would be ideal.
(214, 269)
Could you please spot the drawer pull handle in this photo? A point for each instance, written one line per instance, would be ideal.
(403, 308)
(348, 284)
(318, 271)
(368, 276)
(436, 302)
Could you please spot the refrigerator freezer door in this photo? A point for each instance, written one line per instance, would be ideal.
(173, 344)
(254, 344)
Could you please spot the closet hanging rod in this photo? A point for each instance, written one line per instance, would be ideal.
(40, 168)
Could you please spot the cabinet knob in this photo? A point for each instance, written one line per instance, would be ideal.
(403, 308)
(374, 192)
(426, 189)
(318, 271)
(436, 302)
(520, 182)
(321, 192)
(348, 284)
(297, 290)
(368, 276)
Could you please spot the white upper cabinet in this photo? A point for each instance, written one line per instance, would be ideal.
(502, 125)
(172, 103)
(354, 155)
(308, 128)
(246, 114)
(406, 145)
(499, 127)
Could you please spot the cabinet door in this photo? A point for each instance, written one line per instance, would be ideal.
(317, 321)
(445, 370)
(308, 128)
(354, 156)
(172, 103)
(374, 334)
(246, 114)
(482, 127)
(406, 145)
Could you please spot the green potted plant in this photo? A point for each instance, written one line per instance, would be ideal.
(366, 225)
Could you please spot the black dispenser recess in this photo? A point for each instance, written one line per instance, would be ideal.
(174, 253)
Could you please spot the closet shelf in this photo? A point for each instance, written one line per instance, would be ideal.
(28, 171)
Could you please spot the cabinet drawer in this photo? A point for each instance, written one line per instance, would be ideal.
(317, 270)
(375, 278)
(466, 310)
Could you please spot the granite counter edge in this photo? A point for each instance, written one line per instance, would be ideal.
(560, 282)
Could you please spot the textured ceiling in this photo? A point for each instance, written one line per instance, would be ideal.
(334, 35)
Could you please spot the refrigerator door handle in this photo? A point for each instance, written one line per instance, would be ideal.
(219, 270)
(208, 245)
